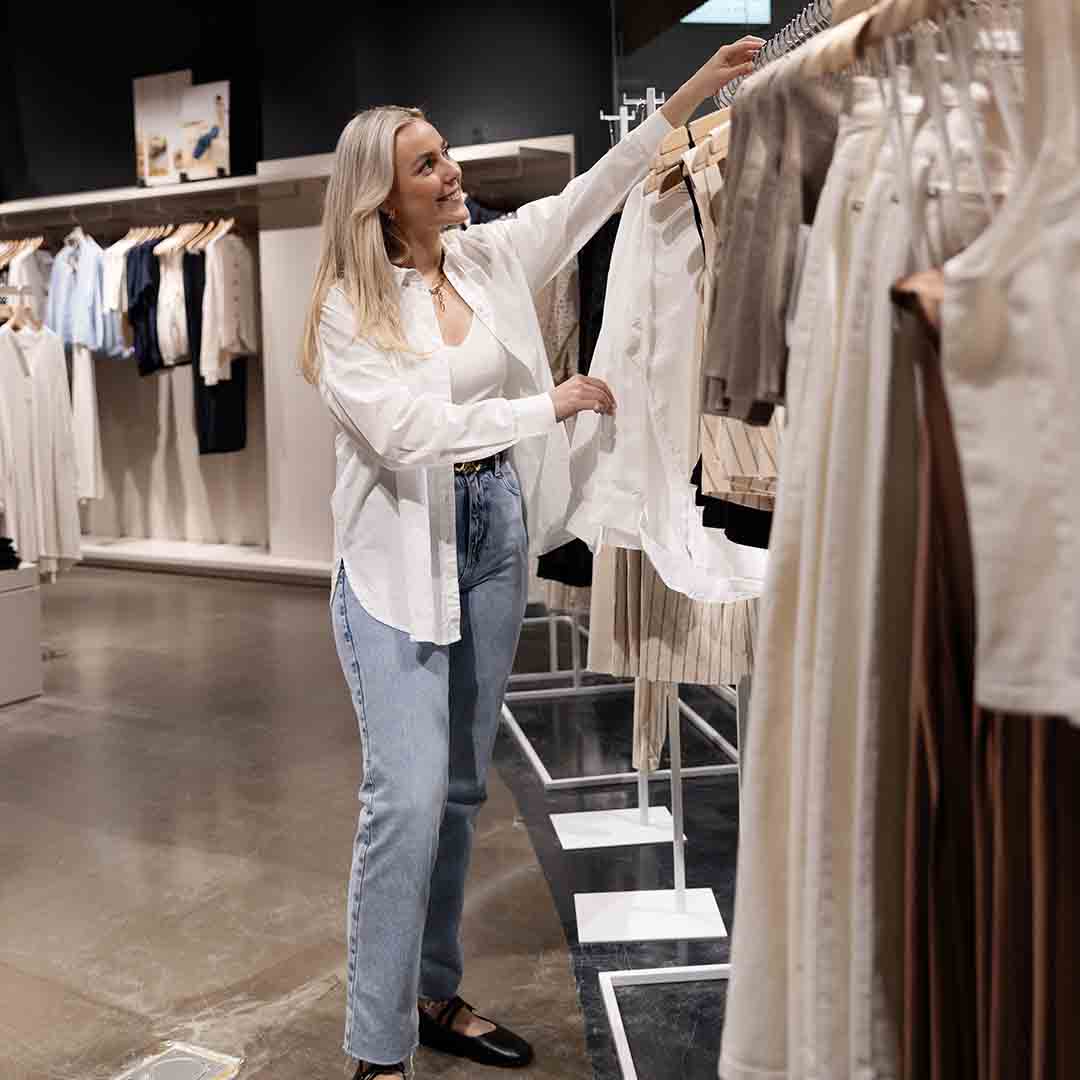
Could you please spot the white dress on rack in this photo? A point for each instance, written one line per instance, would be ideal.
(37, 420)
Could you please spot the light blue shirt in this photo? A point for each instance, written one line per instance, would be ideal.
(58, 312)
(76, 309)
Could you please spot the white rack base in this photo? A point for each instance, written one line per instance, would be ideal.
(653, 915)
(610, 981)
(212, 560)
(613, 828)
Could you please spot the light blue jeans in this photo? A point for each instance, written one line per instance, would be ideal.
(428, 719)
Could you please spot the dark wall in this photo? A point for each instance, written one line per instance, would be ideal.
(674, 55)
(484, 72)
(69, 93)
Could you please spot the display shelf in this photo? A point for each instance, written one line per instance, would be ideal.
(522, 168)
(214, 560)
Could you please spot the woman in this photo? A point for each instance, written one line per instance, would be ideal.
(451, 469)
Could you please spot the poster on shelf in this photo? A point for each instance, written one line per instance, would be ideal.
(205, 123)
(158, 133)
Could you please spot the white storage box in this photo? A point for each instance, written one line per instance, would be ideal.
(20, 634)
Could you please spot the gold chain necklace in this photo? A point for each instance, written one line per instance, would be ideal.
(437, 291)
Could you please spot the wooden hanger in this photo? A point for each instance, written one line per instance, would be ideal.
(22, 314)
(178, 238)
(712, 149)
(192, 243)
(679, 139)
(671, 181)
(701, 128)
(663, 162)
(223, 226)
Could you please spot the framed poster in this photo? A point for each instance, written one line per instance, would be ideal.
(205, 126)
(158, 135)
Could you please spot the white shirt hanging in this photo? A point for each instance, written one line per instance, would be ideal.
(38, 421)
(230, 323)
(631, 472)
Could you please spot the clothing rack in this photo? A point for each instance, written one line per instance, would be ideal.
(815, 17)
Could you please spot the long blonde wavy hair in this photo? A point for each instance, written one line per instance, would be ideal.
(359, 242)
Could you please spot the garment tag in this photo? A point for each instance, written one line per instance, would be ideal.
(801, 244)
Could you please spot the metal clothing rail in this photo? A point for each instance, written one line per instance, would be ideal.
(575, 687)
(815, 17)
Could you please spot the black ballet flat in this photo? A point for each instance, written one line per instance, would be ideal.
(500, 1048)
(370, 1072)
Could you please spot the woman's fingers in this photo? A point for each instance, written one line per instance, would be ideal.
(603, 388)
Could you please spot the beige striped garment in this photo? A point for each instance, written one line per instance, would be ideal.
(740, 459)
(639, 627)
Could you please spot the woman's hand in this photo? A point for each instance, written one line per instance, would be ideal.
(729, 62)
(582, 394)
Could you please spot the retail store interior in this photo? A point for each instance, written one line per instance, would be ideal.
(785, 778)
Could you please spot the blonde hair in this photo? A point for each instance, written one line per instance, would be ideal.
(359, 241)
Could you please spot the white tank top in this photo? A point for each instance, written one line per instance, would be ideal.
(478, 366)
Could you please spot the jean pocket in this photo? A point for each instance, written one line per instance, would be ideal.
(509, 478)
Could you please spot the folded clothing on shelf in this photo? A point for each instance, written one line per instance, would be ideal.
(9, 557)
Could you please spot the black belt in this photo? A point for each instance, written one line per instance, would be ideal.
(469, 467)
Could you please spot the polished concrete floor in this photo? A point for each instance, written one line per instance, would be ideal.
(176, 819)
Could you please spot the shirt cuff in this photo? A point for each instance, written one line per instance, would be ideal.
(534, 415)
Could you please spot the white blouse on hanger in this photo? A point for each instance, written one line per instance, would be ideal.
(230, 325)
(631, 472)
(32, 269)
(171, 311)
(38, 466)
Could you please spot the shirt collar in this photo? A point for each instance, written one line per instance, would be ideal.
(406, 275)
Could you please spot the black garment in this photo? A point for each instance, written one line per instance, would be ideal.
(570, 564)
(746, 525)
(594, 262)
(9, 557)
(143, 283)
(221, 410)
(480, 214)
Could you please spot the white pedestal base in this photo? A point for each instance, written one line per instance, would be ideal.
(612, 828)
(656, 915)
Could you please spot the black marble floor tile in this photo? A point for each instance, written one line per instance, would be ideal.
(674, 1029)
(594, 735)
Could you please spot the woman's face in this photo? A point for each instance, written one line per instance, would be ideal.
(427, 181)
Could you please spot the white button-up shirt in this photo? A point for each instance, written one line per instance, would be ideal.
(399, 430)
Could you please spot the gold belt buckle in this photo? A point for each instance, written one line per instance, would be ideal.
(468, 467)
